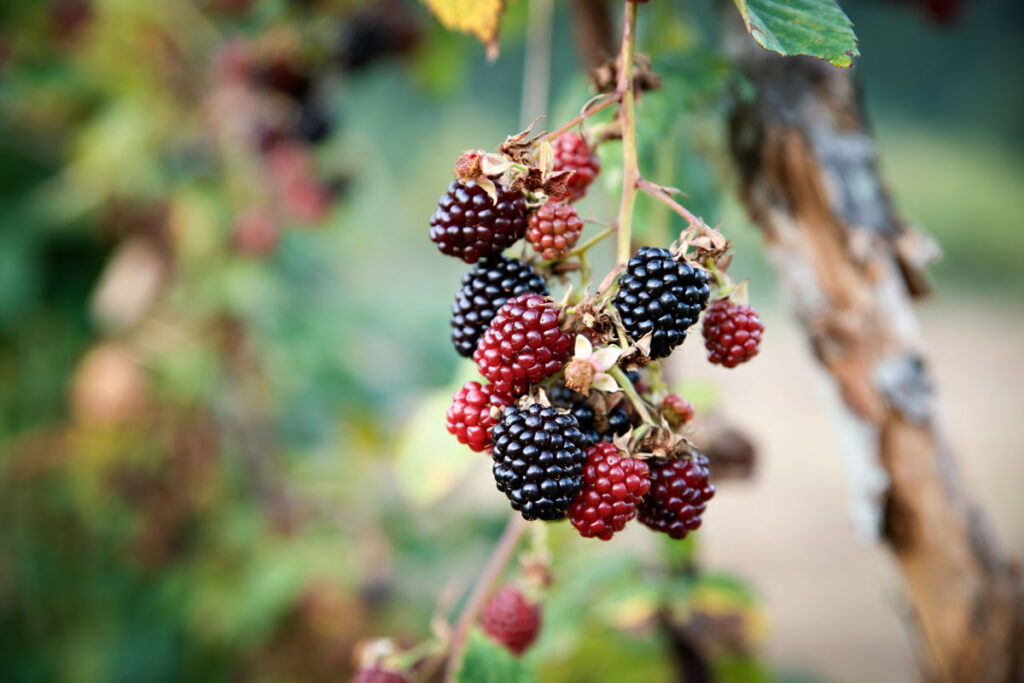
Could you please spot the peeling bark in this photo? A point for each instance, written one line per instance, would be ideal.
(810, 179)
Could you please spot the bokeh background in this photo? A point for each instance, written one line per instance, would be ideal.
(224, 354)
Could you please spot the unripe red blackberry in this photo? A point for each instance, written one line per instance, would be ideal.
(732, 333)
(554, 230)
(484, 290)
(573, 154)
(469, 225)
(510, 619)
(523, 344)
(538, 458)
(679, 494)
(377, 674)
(661, 295)
(469, 416)
(612, 486)
(678, 407)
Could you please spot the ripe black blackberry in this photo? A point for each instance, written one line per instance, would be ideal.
(660, 295)
(538, 460)
(469, 225)
(484, 290)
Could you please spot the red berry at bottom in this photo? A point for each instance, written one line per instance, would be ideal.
(375, 674)
(732, 333)
(469, 416)
(679, 493)
(612, 486)
(510, 619)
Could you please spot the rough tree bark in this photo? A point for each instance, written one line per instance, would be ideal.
(850, 266)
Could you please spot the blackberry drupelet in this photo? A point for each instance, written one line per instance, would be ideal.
(522, 345)
(538, 460)
(612, 486)
(469, 225)
(484, 290)
(510, 619)
(660, 295)
(679, 494)
(377, 674)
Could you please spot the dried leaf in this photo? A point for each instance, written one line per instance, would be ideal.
(481, 18)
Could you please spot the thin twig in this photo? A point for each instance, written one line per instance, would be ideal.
(583, 115)
(495, 563)
(581, 249)
(630, 167)
(659, 193)
(627, 387)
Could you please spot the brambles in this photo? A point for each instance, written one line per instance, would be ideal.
(732, 333)
(554, 229)
(662, 297)
(679, 493)
(470, 225)
(538, 456)
(612, 486)
(470, 416)
(573, 154)
(484, 290)
(522, 345)
(512, 620)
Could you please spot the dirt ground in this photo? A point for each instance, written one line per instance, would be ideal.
(833, 602)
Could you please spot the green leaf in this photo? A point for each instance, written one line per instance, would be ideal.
(818, 28)
(487, 662)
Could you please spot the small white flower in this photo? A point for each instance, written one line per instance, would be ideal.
(588, 367)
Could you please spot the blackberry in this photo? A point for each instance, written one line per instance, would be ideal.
(484, 290)
(538, 460)
(732, 333)
(660, 295)
(469, 225)
(585, 416)
(523, 344)
(554, 230)
(679, 494)
(573, 154)
(618, 424)
(612, 486)
(469, 416)
(510, 619)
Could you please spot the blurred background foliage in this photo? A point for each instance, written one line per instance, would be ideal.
(224, 353)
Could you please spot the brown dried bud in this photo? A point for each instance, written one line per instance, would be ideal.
(467, 167)
(578, 376)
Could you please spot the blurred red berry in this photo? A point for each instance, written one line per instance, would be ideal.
(510, 619)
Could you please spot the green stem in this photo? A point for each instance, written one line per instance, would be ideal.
(627, 387)
(627, 118)
(581, 117)
(581, 249)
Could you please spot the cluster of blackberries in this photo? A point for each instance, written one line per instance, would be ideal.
(559, 458)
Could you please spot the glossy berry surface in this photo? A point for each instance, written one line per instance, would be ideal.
(612, 487)
(376, 674)
(522, 345)
(732, 333)
(510, 619)
(554, 230)
(661, 296)
(679, 493)
(573, 154)
(469, 225)
(470, 416)
(484, 290)
(538, 460)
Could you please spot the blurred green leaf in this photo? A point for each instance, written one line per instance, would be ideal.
(818, 28)
(487, 662)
